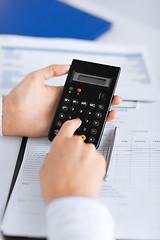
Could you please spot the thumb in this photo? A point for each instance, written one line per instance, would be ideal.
(52, 71)
(69, 127)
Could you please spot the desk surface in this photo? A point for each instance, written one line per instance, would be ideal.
(126, 30)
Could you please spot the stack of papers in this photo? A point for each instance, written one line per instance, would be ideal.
(131, 191)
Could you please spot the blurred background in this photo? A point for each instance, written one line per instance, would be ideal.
(134, 22)
(146, 11)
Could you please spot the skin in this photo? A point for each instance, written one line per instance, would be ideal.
(78, 174)
(74, 170)
(32, 101)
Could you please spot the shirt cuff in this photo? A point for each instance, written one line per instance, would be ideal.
(79, 218)
(1, 101)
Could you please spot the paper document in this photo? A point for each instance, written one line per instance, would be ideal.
(133, 180)
(131, 191)
(26, 204)
(21, 55)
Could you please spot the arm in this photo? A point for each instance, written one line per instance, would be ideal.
(70, 179)
(79, 218)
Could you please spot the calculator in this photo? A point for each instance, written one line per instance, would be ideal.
(87, 94)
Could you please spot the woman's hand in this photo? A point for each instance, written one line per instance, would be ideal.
(72, 168)
(29, 108)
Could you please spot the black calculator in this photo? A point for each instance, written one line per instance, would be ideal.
(87, 94)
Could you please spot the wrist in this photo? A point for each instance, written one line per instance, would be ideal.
(50, 194)
(8, 116)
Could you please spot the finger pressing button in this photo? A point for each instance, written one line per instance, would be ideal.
(83, 137)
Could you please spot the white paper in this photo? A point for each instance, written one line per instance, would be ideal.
(132, 190)
(21, 55)
(26, 204)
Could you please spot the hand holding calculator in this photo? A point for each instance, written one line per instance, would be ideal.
(87, 95)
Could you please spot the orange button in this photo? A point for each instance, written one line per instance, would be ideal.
(79, 90)
(83, 137)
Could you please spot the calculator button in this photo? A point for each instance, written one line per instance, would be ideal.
(59, 124)
(91, 139)
(93, 131)
(75, 101)
(92, 105)
(84, 129)
(83, 103)
(89, 113)
(83, 137)
(69, 117)
(72, 109)
(67, 100)
(62, 115)
(80, 111)
(96, 123)
(64, 108)
(70, 88)
(98, 115)
(102, 96)
(56, 131)
(79, 90)
(101, 107)
(87, 121)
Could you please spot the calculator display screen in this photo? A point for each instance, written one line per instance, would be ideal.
(85, 78)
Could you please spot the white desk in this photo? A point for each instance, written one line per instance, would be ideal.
(126, 30)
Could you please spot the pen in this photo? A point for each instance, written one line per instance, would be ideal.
(138, 101)
(131, 104)
(109, 153)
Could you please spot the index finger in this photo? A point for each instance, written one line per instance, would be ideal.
(69, 127)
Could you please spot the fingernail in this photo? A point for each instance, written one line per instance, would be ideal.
(68, 67)
(79, 119)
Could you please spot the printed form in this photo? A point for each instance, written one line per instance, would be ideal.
(21, 55)
(131, 191)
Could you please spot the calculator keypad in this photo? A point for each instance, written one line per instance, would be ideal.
(78, 105)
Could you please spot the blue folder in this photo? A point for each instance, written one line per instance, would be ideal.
(49, 18)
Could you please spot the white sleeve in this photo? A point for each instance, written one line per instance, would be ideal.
(1, 99)
(79, 218)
